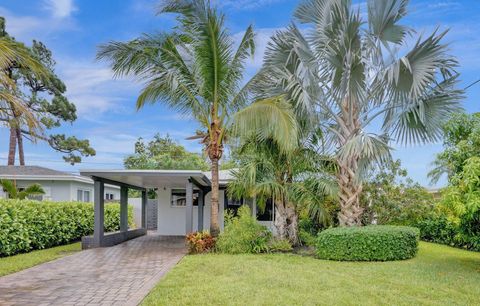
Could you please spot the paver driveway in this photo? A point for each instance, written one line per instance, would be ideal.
(119, 275)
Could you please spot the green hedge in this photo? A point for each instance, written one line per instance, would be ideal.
(27, 225)
(439, 229)
(368, 243)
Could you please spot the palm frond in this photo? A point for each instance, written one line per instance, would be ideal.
(269, 118)
(10, 187)
(383, 18)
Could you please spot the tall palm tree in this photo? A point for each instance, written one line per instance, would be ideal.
(368, 84)
(196, 70)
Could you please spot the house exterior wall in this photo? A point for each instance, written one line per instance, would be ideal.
(171, 219)
(63, 191)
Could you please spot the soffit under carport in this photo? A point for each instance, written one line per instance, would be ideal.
(150, 178)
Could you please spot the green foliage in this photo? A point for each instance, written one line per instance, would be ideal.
(439, 229)
(243, 235)
(456, 219)
(164, 153)
(28, 225)
(368, 243)
(461, 142)
(279, 246)
(308, 230)
(299, 180)
(13, 193)
(391, 197)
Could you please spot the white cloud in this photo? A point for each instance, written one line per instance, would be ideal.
(60, 8)
(27, 28)
(92, 88)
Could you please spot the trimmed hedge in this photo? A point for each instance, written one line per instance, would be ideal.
(368, 243)
(27, 225)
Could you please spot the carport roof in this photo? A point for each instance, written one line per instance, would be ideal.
(150, 178)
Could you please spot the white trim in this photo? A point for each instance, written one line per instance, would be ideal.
(70, 178)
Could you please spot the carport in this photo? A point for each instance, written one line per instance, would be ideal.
(141, 180)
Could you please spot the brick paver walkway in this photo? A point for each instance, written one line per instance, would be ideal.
(119, 275)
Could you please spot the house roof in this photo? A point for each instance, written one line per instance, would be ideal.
(29, 170)
(37, 173)
(156, 178)
(149, 178)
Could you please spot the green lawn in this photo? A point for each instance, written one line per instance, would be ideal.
(438, 275)
(19, 262)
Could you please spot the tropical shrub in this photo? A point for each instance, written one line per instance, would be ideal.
(200, 242)
(390, 197)
(243, 234)
(456, 219)
(279, 245)
(368, 243)
(27, 225)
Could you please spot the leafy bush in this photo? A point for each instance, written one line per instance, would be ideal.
(368, 243)
(306, 238)
(279, 245)
(390, 197)
(200, 242)
(243, 234)
(27, 225)
(439, 229)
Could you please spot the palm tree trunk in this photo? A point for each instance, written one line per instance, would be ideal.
(12, 148)
(214, 227)
(21, 154)
(350, 189)
(280, 222)
(286, 222)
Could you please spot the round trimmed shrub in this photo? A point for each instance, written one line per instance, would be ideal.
(368, 243)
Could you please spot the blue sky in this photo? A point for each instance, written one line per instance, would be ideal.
(73, 29)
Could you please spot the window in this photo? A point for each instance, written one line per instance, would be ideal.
(267, 213)
(109, 196)
(178, 198)
(83, 195)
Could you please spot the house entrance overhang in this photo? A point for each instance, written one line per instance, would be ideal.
(141, 180)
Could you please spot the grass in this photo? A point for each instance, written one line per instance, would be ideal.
(438, 275)
(20, 262)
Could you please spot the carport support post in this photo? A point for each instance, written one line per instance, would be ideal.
(123, 209)
(98, 213)
(200, 210)
(144, 209)
(189, 208)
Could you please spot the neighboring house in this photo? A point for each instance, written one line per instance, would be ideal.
(58, 186)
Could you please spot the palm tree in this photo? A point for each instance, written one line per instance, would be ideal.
(11, 188)
(196, 70)
(12, 53)
(368, 84)
(12, 109)
(292, 180)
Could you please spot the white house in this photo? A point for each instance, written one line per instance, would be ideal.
(58, 186)
(182, 204)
